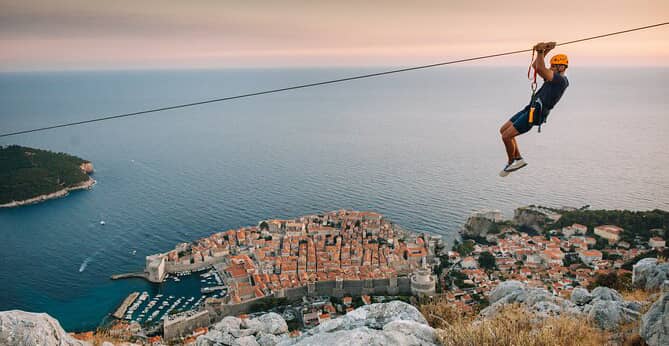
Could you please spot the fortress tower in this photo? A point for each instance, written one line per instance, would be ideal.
(422, 282)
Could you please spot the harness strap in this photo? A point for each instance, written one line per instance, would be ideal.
(533, 86)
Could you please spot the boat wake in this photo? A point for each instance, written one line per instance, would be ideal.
(85, 264)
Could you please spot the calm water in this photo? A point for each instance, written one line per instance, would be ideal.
(420, 147)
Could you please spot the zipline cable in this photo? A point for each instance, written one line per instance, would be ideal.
(154, 110)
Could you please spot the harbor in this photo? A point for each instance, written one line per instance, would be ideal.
(179, 292)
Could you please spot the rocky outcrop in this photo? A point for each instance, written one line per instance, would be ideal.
(27, 328)
(654, 327)
(536, 300)
(603, 306)
(580, 296)
(534, 217)
(649, 274)
(87, 167)
(394, 323)
(266, 330)
(478, 227)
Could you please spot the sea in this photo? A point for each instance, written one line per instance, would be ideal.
(420, 147)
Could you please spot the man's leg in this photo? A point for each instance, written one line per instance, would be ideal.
(516, 152)
(508, 137)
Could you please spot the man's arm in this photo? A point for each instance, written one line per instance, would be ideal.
(539, 64)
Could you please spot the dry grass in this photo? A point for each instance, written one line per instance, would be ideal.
(639, 295)
(439, 313)
(511, 327)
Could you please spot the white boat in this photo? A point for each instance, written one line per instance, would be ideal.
(102, 222)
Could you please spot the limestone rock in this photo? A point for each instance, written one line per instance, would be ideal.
(533, 217)
(246, 341)
(605, 307)
(393, 323)
(605, 293)
(504, 289)
(362, 336)
(209, 339)
(228, 324)
(421, 331)
(267, 339)
(27, 328)
(375, 316)
(580, 296)
(252, 324)
(238, 333)
(272, 323)
(654, 327)
(608, 315)
(649, 274)
(534, 299)
(477, 226)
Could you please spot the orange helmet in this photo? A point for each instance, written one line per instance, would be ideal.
(560, 59)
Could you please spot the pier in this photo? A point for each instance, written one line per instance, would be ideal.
(141, 275)
(124, 306)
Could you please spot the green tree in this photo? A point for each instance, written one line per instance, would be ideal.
(487, 260)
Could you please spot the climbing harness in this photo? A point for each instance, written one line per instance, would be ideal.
(534, 99)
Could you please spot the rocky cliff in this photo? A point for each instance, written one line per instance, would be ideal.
(87, 167)
(534, 217)
(655, 323)
(26, 328)
(478, 227)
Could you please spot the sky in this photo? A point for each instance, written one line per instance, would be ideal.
(123, 34)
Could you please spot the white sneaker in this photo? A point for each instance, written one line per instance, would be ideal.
(505, 171)
(516, 165)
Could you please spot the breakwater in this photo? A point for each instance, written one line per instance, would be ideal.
(140, 275)
(124, 306)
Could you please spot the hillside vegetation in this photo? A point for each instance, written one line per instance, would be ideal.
(512, 326)
(635, 223)
(26, 172)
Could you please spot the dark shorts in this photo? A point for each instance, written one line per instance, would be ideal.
(521, 120)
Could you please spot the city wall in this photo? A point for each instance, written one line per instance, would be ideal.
(184, 325)
(379, 287)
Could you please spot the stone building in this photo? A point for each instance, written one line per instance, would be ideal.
(155, 268)
(422, 282)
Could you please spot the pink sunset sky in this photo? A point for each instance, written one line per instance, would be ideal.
(120, 34)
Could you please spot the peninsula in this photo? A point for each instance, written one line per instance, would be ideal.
(29, 175)
(344, 256)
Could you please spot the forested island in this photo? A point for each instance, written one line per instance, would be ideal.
(29, 175)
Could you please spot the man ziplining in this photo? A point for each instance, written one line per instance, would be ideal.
(535, 113)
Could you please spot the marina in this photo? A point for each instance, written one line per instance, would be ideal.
(179, 292)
